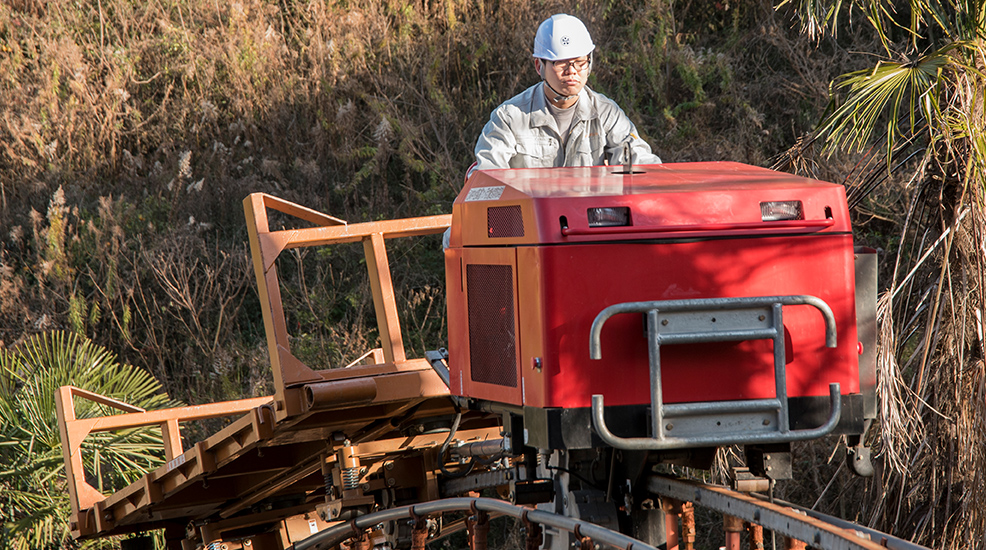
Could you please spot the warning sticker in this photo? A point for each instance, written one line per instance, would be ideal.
(176, 462)
(485, 193)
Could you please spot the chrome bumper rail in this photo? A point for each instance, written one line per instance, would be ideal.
(716, 423)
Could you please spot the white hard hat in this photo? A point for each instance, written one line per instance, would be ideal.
(562, 36)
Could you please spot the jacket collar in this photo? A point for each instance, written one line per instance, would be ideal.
(541, 116)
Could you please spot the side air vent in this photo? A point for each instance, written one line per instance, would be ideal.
(492, 337)
(505, 221)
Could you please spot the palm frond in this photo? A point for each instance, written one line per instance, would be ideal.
(890, 91)
(32, 479)
(818, 17)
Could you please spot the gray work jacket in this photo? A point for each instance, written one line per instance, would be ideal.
(522, 133)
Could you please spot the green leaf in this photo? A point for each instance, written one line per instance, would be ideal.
(32, 480)
(898, 97)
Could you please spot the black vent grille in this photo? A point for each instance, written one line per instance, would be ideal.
(505, 221)
(492, 338)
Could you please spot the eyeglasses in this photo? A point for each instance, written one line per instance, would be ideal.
(579, 64)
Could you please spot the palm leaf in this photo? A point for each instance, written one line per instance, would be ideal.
(817, 17)
(898, 97)
(32, 477)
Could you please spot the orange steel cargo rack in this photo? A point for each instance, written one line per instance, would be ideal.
(263, 477)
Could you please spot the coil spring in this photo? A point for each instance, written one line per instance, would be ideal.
(350, 478)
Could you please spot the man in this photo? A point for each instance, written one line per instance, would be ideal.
(559, 121)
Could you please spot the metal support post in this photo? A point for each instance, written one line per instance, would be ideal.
(419, 534)
(755, 534)
(733, 526)
(688, 525)
(672, 512)
(535, 534)
(361, 541)
(478, 528)
(794, 544)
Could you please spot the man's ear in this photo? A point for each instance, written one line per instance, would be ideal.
(539, 66)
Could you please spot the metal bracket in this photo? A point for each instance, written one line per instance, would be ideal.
(439, 361)
(715, 320)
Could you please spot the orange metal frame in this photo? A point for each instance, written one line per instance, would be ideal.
(265, 245)
(299, 389)
(74, 430)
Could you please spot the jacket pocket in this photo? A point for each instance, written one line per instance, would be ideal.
(595, 144)
(535, 151)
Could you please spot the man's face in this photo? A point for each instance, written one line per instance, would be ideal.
(566, 76)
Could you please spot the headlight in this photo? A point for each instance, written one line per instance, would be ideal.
(776, 211)
(610, 216)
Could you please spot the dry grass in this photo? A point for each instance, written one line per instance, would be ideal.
(130, 132)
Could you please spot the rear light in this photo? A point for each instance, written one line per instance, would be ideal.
(610, 216)
(781, 210)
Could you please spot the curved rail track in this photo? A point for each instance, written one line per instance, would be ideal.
(793, 522)
(800, 527)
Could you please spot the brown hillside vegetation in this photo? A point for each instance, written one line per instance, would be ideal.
(131, 131)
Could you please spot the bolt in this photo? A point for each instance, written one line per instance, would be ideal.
(766, 422)
(664, 322)
(762, 317)
(669, 427)
(389, 466)
(365, 486)
(391, 481)
(248, 543)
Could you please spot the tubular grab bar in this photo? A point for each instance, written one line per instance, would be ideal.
(681, 322)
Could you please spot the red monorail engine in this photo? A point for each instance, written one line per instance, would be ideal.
(663, 311)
